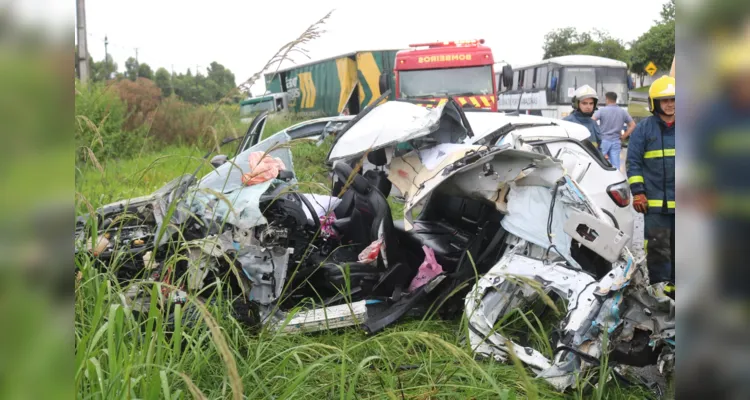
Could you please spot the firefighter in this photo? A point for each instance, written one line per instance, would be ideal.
(584, 105)
(651, 174)
(722, 160)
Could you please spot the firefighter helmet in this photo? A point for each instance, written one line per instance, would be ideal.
(662, 88)
(734, 58)
(582, 93)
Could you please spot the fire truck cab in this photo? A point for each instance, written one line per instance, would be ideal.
(430, 72)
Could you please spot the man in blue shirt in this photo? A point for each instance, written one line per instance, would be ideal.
(584, 105)
(611, 119)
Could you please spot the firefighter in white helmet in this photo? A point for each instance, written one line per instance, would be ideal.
(585, 100)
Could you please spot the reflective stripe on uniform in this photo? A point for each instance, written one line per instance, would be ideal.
(737, 204)
(660, 203)
(635, 179)
(659, 153)
(645, 246)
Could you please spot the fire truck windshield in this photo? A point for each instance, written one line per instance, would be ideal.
(445, 82)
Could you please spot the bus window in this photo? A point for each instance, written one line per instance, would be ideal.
(528, 79)
(540, 78)
(572, 79)
(613, 80)
(515, 80)
(600, 78)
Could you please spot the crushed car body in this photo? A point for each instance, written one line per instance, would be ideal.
(491, 225)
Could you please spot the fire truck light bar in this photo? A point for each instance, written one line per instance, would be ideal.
(449, 44)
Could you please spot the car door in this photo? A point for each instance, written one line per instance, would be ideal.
(254, 133)
(596, 177)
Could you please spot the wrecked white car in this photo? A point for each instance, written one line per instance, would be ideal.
(490, 226)
(531, 229)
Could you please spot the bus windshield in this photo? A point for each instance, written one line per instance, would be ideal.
(444, 82)
(255, 108)
(602, 79)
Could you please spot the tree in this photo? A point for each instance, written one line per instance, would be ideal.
(131, 68)
(603, 45)
(102, 71)
(566, 41)
(657, 46)
(144, 71)
(561, 42)
(163, 80)
(222, 78)
(667, 12)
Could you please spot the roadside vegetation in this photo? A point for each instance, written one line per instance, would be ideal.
(130, 141)
(121, 354)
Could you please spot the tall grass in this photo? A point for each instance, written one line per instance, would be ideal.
(198, 349)
(120, 354)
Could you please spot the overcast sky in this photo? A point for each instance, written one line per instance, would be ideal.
(243, 35)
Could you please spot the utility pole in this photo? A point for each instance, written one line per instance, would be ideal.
(136, 63)
(83, 54)
(171, 79)
(106, 58)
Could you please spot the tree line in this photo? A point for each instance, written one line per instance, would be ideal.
(192, 88)
(657, 44)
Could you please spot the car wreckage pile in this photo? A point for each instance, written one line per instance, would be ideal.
(490, 227)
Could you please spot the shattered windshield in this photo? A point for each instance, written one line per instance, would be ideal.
(228, 177)
(444, 82)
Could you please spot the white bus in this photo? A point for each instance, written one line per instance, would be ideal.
(546, 88)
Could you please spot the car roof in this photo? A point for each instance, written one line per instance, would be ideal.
(337, 118)
(484, 123)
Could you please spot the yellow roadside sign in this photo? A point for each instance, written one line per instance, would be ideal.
(651, 68)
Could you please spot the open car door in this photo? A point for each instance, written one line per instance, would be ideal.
(254, 133)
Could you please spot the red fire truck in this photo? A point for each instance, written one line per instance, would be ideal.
(430, 72)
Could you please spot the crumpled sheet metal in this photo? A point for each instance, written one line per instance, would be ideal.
(595, 307)
(240, 207)
(266, 269)
(528, 211)
(496, 294)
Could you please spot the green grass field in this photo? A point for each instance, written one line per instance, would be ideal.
(638, 109)
(119, 355)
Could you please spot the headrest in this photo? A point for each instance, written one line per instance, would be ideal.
(377, 157)
(359, 183)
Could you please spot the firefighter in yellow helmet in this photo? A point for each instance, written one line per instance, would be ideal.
(721, 163)
(651, 174)
(585, 101)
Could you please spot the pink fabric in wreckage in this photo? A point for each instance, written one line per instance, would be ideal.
(263, 167)
(427, 271)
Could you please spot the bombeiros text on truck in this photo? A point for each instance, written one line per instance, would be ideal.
(429, 73)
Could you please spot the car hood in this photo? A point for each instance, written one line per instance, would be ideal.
(486, 123)
(395, 122)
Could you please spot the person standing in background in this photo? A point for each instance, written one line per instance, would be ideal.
(584, 106)
(611, 119)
